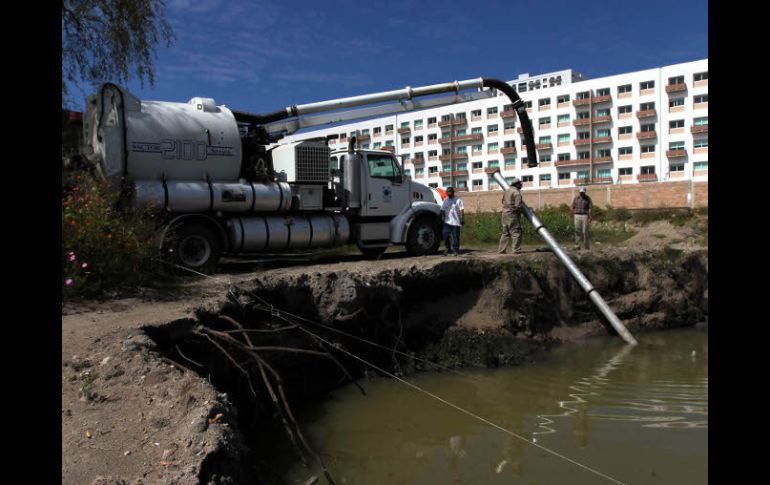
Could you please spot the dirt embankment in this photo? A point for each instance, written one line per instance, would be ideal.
(147, 401)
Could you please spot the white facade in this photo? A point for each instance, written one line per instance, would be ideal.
(614, 146)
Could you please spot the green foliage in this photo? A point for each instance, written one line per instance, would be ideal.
(110, 40)
(677, 217)
(487, 227)
(102, 249)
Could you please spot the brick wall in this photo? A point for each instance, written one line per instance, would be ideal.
(646, 195)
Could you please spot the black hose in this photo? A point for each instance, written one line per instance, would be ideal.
(352, 144)
(281, 114)
(521, 111)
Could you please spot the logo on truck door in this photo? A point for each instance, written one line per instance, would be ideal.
(182, 149)
(387, 194)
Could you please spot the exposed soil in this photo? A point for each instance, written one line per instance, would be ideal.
(140, 410)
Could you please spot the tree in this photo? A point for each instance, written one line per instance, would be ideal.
(111, 40)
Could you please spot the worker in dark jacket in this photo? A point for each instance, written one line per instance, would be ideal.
(581, 209)
(511, 218)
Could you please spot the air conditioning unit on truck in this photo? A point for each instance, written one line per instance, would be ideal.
(224, 184)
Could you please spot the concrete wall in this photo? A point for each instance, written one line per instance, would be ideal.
(648, 195)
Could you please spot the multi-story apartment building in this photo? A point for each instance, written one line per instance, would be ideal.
(640, 127)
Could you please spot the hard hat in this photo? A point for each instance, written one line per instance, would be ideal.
(582, 190)
(515, 181)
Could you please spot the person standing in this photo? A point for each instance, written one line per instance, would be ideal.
(453, 216)
(511, 218)
(582, 211)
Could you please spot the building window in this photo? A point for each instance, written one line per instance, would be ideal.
(583, 155)
(432, 153)
(583, 95)
(604, 153)
(602, 112)
(419, 171)
(545, 158)
(526, 178)
(405, 141)
(700, 76)
(603, 173)
(676, 145)
(624, 130)
(626, 150)
(563, 138)
(492, 146)
(365, 146)
(492, 111)
(704, 121)
(477, 148)
(493, 163)
(461, 150)
(418, 139)
(432, 121)
(626, 88)
(545, 177)
(476, 113)
(544, 102)
(563, 99)
(522, 87)
(509, 126)
(676, 80)
(647, 106)
(476, 165)
(701, 143)
(602, 133)
(378, 130)
(701, 165)
(492, 129)
(563, 118)
(544, 121)
(377, 145)
(365, 131)
(583, 135)
(583, 115)
(646, 85)
(603, 92)
(417, 124)
(676, 167)
(389, 143)
(625, 171)
(432, 170)
(564, 175)
(408, 172)
(582, 175)
(405, 124)
(563, 156)
(648, 127)
(388, 128)
(446, 117)
(460, 132)
(701, 98)
(648, 169)
(478, 184)
(675, 102)
(528, 104)
(509, 144)
(624, 109)
(544, 140)
(676, 124)
(476, 131)
(432, 137)
(648, 148)
(462, 166)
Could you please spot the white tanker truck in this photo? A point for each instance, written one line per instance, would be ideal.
(225, 186)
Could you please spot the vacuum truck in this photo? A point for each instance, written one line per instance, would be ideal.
(222, 183)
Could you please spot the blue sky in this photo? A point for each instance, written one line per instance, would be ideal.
(262, 55)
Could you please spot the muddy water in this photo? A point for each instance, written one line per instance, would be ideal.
(638, 415)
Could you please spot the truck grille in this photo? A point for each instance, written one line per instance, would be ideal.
(312, 163)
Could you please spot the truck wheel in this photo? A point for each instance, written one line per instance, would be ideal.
(424, 237)
(195, 246)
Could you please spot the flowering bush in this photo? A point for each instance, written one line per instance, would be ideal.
(102, 249)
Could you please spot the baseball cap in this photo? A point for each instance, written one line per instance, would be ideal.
(582, 190)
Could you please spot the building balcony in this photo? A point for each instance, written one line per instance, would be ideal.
(647, 113)
(445, 173)
(444, 123)
(508, 114)
(389, 148)
(453, 156)
(471, 137)
(681, 152)
(446, 139)
(461, 189)
(601, 119)
(581, 141)
(602, 159)
(601, 99)
(459, 121)
(699, 129)
(644, 135)
(363, 138)
(403, 131)
(544, 146)
(602, 180)
(581, 122)
(581, 102)
(647, 177)
(491, 169)
(602, 139)
(581, 181)
(675, 88)
(417, 161)
(568, 163)
(459, 173)
(508, 150)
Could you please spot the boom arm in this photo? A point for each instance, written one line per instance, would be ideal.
(292, 118)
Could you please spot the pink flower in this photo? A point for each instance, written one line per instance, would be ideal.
(72, 257)
(68, 281)
(84, 265)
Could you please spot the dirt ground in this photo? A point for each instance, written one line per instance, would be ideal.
(130, 418)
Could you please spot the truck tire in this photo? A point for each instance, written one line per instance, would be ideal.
(424, 237)
(195, 246)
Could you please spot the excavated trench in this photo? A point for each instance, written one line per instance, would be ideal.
(456, 313)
